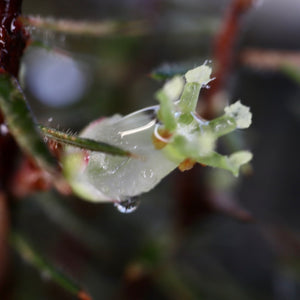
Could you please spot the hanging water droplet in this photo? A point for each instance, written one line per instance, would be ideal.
(50, 119)
(206, 86)
(3, 129)
(128, 206)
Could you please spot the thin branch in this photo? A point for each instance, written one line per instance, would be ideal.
(269, 59)
(4, 228)
(98, 29)
(30, 255)
(224, 48)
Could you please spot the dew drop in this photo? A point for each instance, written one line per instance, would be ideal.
(148, 173)
(128, 206)
(3, 129)
(206, 86)
(50, 119)
(13, 25)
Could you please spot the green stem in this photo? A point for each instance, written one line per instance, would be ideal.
(222, 125)
(83, 143)
(30, 255)
(166, 113)
(189, 98)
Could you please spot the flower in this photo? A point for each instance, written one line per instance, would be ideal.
(163, 137)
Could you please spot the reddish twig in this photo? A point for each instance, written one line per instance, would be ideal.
(269, 59)
(13, 37)
(4, 229)
(223, 51)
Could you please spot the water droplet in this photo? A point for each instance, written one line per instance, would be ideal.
(45, 139)
(3, 129)
(13, 25)
(206, 86)
(148, 173)
(128, 206)
(50, 119)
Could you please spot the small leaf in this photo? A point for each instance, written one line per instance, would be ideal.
(83, 143)
(167, 71)
(291, 71)
(231, 163)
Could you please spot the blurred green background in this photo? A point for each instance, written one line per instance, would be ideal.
(185, 240)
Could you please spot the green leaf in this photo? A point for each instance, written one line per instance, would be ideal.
(291, 71)
(83, 143)
(231, 163)
(167, 71)
(21, 123)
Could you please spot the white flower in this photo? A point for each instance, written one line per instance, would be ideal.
(240, 113)
(199, 75)
(173, 88)
(161, 137)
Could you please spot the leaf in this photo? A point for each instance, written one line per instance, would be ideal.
(21, 123)
(83, 143)
(167, 71)
(291, 71)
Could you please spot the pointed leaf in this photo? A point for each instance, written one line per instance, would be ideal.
(83, 143)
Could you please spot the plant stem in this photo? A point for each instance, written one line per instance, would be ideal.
(84, 143)
(98, 29)
(30, 255)
(13, 37)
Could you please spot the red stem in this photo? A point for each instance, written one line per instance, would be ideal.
(13, 37)
(223, 52)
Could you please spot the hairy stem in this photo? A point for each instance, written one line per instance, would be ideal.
(84, 143)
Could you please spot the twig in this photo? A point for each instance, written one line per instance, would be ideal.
(4, 228)
(269, 59)
(224, 51)
(30, 255)
(98, 29)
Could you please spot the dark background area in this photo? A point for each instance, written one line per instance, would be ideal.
(164, 250)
